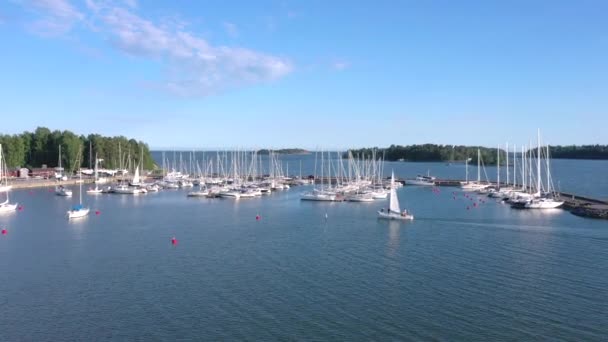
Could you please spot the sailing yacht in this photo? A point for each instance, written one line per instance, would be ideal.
(97, 189)
(5, 206)
(79, 210)
(477, 185)
(394, 211)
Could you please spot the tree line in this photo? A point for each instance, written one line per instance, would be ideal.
(455, 153)
(41, 147)
(579, 152)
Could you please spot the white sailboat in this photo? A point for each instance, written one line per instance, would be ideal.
(477, 185)
(5, 206)
(97, 189)
(543, 201)
(394, 211)
(79, 210)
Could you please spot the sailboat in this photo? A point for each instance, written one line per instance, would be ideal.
(61, 190)
(97, 190)
(477, 185)
(5, 206)
(79, 210)
(394, 211)
(540, 200)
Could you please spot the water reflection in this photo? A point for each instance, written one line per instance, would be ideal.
(394, 233)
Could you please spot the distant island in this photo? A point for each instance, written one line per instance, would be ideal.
(459, 153)
(41, 147)
(284, 151)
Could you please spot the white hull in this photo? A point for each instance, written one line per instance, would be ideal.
(230, 194)
(63, 192)
(7, 207)
(419, 182)
(380, 195)
(78, 213)
(393, 216)
(473, 186)
(5, 188)
(94, 191)
(125, 191)
(198, 193)
(318, 197)
(360, 198)
(543, 204)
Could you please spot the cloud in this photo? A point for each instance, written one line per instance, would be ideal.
(231, 29)
(340, 65)
(56, 17)
(131, 3)
(192, 66)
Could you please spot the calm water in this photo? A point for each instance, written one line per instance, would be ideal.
(487, 273)
(581, 177)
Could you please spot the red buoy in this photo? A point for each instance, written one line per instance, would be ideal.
(4, 231)
(258, 217)
(474, 204)
(20, 208)
(174, 241)
(97, 212)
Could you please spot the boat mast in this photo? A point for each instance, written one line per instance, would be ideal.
(523, 168)
(478, 166)
(538, 164)
(466, 167)
(530, 165)
(507, 151)
(514, 166)
(548, 173)
(498, 166)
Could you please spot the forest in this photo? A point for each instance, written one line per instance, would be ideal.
(41, 147)
(455, 153)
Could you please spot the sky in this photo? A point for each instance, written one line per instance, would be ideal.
(311, 74)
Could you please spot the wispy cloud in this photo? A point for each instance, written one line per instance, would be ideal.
(193, 66)
(56, 17)
(231, 29)
(131, 3)
(340, 65)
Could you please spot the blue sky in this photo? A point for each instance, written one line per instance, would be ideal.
(331, 74)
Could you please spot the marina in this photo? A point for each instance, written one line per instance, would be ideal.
(255, 253)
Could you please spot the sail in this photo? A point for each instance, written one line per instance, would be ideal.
(393, 200)
(136, 176)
